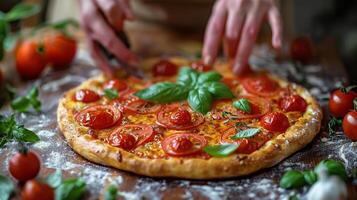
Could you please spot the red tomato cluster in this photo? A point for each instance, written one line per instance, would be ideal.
(24, 167)
(32, 56)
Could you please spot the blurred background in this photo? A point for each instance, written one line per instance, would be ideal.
(321, 20)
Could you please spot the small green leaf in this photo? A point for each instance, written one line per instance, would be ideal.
(71, 189)
(187, 77)
(54, 180)
(293, 197)
(63, 24)
(111, 193)
(7, 124)
(333, 167)
(200, 100)
(10, 41)
(111, 93)
(164, 92)
(221, 150)
(6, 187)
(218, 90)
(23, 103)
(333, 124)
(243, 105)
(4, 30)
(310, 177)
(292, 179)
(21, 11)
(247, 133)
(24, 135)
(210, 76)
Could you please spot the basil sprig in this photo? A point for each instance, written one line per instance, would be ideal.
(333, 167)
(111, 193)
(247, 133)
(111, 93)
(243, 105)
(221, 150)
(6, 187)
(292, 179)
(70, 189)
(24, 103)
(200, 90)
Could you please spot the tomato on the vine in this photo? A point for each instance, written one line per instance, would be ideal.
(349, 125)
(341, 102)
(24, 166)
(275, 121)
(301, 49)
(164, 68)
(34, 190)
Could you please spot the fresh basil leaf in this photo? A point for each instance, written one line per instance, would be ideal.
(21, 11)
(10, 41)
(6, 187)
(200, 100)
(243, 105)
(164, 92)
(24, 135)
(292, 179)
(247, 133)
(54, 180)
(111, 193)
(3, 141)
(333, 167)
(71, 189)
(333, 124)
(7, 124)
(111, 93)
(187, 77)
(4, 29)
(210, 76)
(21, 104)
(10, 91)
(310, 177)
(63, 24)
(218, 90)
(293, 197)
(221, 150)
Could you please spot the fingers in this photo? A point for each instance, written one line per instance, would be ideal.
(125, 6)
(214, 32)
(112, 12)
(276, 26)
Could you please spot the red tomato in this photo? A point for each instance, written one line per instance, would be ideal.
(275, 121)
(99, 116)
(164, 68)
(34, 190)
(86, 96)
(164, 118)
(181, 117)
(116, 84)
(341, 103)
(293, 103)
(183, 144)
(130, 136)
(124, 141)
(139, 106)
(349, 125)
(301, 49)
(199, 66)
(24, 166)
(260, 85)
(59, 50)
(30, 60)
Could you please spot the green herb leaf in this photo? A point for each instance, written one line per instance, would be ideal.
(21, 11)
(333, 124)
(333, 167)
(63, 24)
(6, 187)
(23, 103)
(210, 76)
(292, 179)
(10, 91)
(71, 189)
(218, 90)
(221, 150)
(111, 93)
(4, 30)
(247, 133)
(243, 105)
(10, 41)
(164, 92)
(54, 180)
(310, 177)
(293, 197)
(200, 100)
(24, 135)
(111, 193)
(187, 77)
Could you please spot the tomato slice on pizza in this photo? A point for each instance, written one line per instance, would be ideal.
(99, 116)
(183, 144)
(260, 85)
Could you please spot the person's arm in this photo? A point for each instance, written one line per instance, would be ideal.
(237, 22)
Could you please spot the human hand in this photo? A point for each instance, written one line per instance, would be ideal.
(101, 19)
(238, 22)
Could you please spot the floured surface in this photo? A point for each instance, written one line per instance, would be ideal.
(56, 153)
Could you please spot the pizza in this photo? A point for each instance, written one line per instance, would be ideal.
(188, 120)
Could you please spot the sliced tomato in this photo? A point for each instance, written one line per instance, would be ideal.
(183, 144)
(275, 121)
(164, 68)
(260, 85)
(181, 117)
(116, 84)
(99, 116)
(139, 106)
(124, 141)
(165, 115)
(200, 66)
(142, 134)
(86, 96)
(293, 103)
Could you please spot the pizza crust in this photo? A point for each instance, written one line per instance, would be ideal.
(271, 153)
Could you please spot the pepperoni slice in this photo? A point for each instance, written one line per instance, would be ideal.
(260, 85)
(86, 96)
(183, 144)
(99, 116)
(165, 117)
(142, 134)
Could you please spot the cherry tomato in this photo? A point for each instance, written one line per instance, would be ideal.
(341, 103)
(24, 166)
(164, 68)
(99, 116)
(138, 106)
(34, 190)
(181, 117)
(275, 121)
(349, 125)
(86, 96)
(124, 141)
(199, 66)
(59, 50)
(183, 144)
(30, 60)
(139, 135)
(164, 118)
(260, 85)
(293, 103)
(116, 84)
(301, 49)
